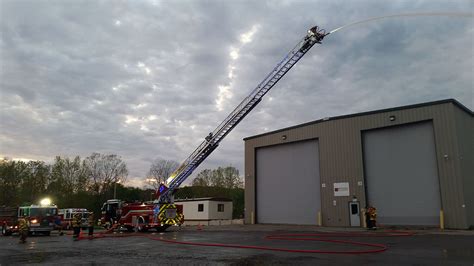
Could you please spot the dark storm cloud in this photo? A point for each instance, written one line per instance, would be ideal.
(150, 79)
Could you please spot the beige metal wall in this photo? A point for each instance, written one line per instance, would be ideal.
(341, 158)
(465, 136)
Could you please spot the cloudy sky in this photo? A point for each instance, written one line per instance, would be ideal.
(150, 79)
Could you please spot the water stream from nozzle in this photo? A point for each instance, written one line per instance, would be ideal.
(444, 14)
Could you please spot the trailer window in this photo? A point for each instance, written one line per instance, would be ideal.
(200, 207)
(220, 207)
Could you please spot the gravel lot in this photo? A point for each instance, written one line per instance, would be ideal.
(426, 247)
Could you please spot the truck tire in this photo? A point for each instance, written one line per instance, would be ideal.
(109, 224)
(5, 231)
(141, 226)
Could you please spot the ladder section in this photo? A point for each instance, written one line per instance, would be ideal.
(211, 142)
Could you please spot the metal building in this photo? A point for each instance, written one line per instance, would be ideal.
(414, 163)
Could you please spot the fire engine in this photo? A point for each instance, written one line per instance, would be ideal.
(139, 216)
(163, 212)
(66, 216)
(40, 218)
(8, 220)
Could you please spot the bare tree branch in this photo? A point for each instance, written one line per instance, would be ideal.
(159, 171)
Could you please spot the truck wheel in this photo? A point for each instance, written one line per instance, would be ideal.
(141, 226)
(108, 225)
(5, 232)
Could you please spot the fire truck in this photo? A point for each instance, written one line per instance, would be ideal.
(8, 220)
(139, 216)
(66, 216)
(40, 218)
(163, 212)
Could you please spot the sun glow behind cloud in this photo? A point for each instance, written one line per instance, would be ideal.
(225, 90)
(71, 83)
(247, 37)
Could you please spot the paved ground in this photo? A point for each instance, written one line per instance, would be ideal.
(426, 247)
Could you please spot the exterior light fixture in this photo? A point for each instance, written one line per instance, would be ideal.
(283, 137)
(392, 118)
(45, 202)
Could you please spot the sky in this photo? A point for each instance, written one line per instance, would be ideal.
(149, 80)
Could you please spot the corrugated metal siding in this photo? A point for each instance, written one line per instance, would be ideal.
(341, 158)
(465, 136)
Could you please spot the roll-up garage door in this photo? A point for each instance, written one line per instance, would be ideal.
(401, 174)
(288, 183)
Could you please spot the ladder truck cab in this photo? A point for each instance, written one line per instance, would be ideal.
(110, 212)
(139, 216)
(165, 200)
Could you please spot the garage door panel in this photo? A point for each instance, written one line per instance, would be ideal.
(401, 174)
(287, 183)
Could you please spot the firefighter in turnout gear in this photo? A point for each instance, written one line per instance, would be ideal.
(90, 224)
(23, 229)
(372, 218)
(76, 225)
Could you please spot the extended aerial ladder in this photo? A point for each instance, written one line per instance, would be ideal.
(314, 35)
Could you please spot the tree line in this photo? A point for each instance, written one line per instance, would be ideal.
(69, 182)
(88, 182)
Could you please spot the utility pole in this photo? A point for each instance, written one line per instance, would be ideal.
(115, 187)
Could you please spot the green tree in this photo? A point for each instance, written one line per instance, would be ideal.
(68, 176)
(11, 176)
(34, 181)
(226, 177)
(203, 179)
(231, 178)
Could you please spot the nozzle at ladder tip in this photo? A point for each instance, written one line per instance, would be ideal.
(316, 32)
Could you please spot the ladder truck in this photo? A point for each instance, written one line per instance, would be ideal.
(162, 212)
(165, 213)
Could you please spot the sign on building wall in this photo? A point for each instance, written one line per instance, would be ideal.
(341, 189)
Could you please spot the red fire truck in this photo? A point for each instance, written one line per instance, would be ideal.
(66, 216)
(40, 218)
(140, 216)
(8, 220)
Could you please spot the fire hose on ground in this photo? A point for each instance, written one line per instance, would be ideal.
(318, 236)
